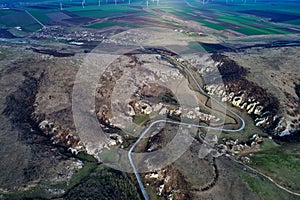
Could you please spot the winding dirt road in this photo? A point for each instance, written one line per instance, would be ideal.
(173, 61)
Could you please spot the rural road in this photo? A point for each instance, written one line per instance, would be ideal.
(241, 128)
(35, 19)
(146, 131)
(146, 197)
(267, 177)
(179, 123)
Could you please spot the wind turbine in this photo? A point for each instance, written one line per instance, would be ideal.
(129, 2)
(204, 2)
(115, 2)
(83, 3)
(99, 3)
(147, 2)
(61, 7)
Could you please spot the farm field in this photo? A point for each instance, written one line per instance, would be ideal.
(246, 19)
(218, 16)
(287, 173)
(16, 18)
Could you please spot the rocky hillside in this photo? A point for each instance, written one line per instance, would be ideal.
(265, 109)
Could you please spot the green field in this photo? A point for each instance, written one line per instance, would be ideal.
(110, 24)
(104, 8)
(14, 18)
(141, 119)
(282, 163)
(221, 17)
(212, 25)
(265, 189)
(102, 25)
(5, 12)
(216, 15)
(41, 16)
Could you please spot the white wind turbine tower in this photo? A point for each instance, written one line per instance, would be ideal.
(157, 2)
(115, 2)
(61, 7)
(204, 2)
(129, 2)
(99, 2)
(82, 3)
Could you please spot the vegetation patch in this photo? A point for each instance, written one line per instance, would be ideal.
(265, 189)
(104, 183)
(102, 25)
(282, 163)
(141, 119)
(212, 25)
(5, 12)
